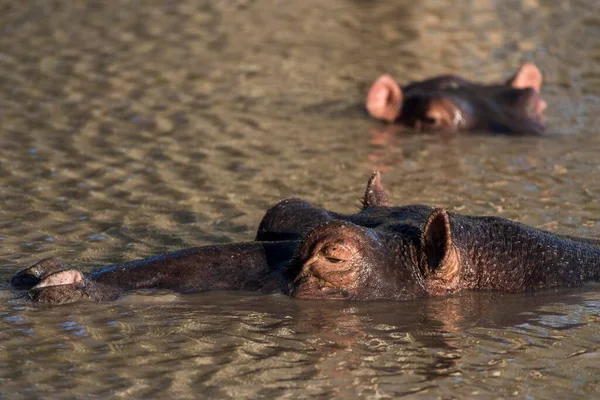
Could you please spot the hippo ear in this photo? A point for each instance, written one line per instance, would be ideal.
(65, 277)
(385, 98)
(375, 194)
(442, 260)
(528, 76)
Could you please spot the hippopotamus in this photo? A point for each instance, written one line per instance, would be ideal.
(451, 103)
(379, 253)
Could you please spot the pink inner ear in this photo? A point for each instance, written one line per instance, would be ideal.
(528, 76)
(384, 98)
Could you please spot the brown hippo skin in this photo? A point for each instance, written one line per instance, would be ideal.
(381, 252)
(450, 103)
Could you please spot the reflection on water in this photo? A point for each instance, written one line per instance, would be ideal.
(129, 129)
(241, 344)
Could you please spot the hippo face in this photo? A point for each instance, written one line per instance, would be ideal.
(450, 103)
(342, 260)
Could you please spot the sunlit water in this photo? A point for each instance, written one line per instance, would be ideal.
(131, 128)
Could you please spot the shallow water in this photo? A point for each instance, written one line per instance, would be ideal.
(130, 128)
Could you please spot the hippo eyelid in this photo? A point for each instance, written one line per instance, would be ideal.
(428, 120)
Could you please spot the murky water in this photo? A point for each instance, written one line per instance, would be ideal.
(133, 128)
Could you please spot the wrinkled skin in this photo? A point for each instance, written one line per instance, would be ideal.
(450, 103)
(381, 252)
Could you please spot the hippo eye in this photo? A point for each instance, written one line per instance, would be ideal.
(429, 120)
(336, 253)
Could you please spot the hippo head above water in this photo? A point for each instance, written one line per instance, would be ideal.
(380, 252)
(341, 260)
(450, 103)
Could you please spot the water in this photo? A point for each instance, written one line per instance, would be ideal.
(131, 128)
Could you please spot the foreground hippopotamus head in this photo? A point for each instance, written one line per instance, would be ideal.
(341, 260)
(380, 252)
(450, 103)
(407, 252)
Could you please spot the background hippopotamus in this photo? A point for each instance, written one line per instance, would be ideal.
(451, 103)
(381, 252)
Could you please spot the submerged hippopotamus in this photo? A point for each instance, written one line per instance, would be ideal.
(450, 103)
(381, 252)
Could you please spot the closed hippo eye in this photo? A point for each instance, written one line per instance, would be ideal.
(336, 253)
(434, 112)
(429, 120)
(329, 262)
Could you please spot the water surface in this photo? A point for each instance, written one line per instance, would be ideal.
(132, 128)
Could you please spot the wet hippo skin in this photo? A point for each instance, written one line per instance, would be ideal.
(381, 252)
(450, 103)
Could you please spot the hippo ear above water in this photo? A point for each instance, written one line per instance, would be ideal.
(384, 100)
(375, 194)
(442, 260)
(528, 76)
